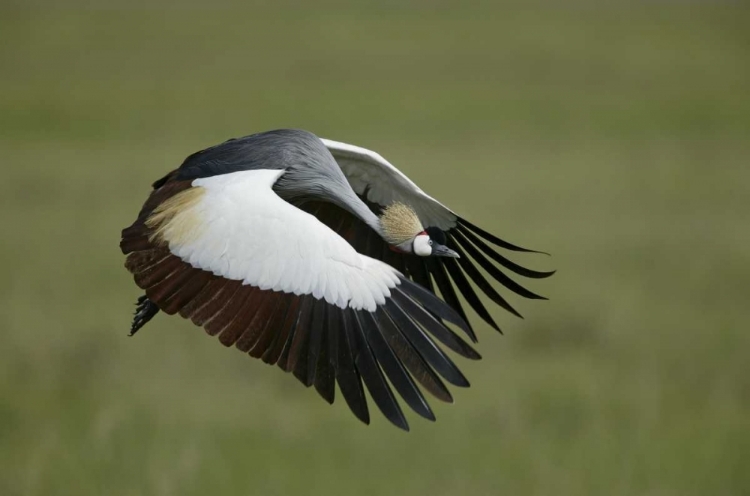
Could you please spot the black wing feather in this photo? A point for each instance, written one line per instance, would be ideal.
(443, 283)
(411, 359)
(480, 280)
(316, 338)
(393, 368)
(427, 348)
(433, 326)
(494, 239)
(347, 375)
(522, 271)
(370, 371)
(417, 270)
(468, 292)
(325, 375)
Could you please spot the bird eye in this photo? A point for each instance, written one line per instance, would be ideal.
(430, 242)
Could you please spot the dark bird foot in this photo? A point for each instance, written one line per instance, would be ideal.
(144, 311)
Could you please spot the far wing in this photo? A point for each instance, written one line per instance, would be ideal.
(379, 184)
(369, 172)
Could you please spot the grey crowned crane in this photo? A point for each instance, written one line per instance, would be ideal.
(320, 257)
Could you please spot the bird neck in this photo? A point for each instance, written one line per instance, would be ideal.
(354, 205)
(325, 181)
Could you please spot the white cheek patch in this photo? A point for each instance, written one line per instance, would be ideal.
(422, 245)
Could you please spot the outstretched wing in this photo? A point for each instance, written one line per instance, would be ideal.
(272, 280)
(379, 184)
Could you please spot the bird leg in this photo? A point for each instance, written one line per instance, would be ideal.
(144, 311)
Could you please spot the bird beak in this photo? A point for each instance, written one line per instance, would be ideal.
(443, 251)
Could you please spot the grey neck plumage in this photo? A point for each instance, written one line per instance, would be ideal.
(313, 174)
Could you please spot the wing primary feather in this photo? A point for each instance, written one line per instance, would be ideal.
(281, 341)
(428, 350)
(437, 306)
(333, 323)
(372, 375)
(169, 286)
(298, 346)
(187, 292)
(242, 320)
(224, 318)
(433, 326)
(460, 242)
(272, 328)
(284, 358)
(316, 337)
(142, 261)
(259, 309)
(216, 304)
(158, 272)
(471, 296)
(325, 377)
(300, 351)
(443, 283)
(480, 280)
(206, 295)
(410, 357)
(419, 273)
(494, 239)
(508, 264)
(393, 368)
(350, 382)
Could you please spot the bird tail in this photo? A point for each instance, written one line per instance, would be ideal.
(144, 311)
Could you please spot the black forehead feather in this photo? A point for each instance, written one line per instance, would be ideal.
(436, 234)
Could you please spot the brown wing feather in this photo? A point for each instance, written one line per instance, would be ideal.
(187, 292)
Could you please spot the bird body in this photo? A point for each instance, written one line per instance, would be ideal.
(320, 257)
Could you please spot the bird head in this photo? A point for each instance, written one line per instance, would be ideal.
(403, 231)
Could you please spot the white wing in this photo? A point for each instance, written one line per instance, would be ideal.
(367, 171)
(244, 231)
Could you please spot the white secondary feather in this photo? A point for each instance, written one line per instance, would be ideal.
(363, 168)
(248, 233)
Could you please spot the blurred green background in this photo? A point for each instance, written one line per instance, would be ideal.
(616, 136)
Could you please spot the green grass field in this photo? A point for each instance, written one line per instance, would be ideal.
(616, 137)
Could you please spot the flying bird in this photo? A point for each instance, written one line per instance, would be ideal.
(323, 258)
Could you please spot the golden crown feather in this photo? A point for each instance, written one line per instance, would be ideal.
(400, 223)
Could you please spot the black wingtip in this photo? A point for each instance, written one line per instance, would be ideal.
(437, 306)
(468, 292)
(431, 353)
(144, 312)
(494, 239)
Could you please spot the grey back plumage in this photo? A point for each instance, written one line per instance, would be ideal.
(270, 150)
